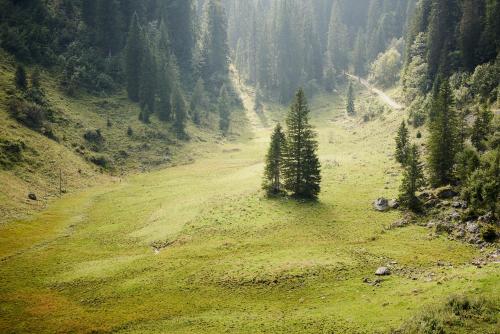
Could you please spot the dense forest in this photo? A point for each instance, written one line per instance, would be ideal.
(249, 166)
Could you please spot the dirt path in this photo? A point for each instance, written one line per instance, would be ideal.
(384, 97)
(247, 95)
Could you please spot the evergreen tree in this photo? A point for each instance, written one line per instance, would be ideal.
(443, 133)
(302, 168)
(215, 53)
(108, 26)
(133, 59)
(483, 187)
(481, 128)
(20, 78)
(179, 18)
(402, 144)
(180, 112)
(413, 180)
(359, 54)
(330, 79)
(337, 40)
(470, 32)
(224, 110)
(36, 80)
(274, 163)
(147, 98)
(350, 108)
(164, 106)
(198, 101)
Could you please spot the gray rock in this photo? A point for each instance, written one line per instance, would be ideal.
(454, 215)
(472, 227)
(459, 205)
(32, 196)
(383, 271)
(381, 204)
(393, 204)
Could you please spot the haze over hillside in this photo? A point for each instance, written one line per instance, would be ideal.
(249, 166)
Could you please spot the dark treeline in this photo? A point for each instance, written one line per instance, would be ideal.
(281, 45)
(163, 52)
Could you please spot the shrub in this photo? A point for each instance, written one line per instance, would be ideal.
(100, 160)
(30, 114)
(94, 136)
(10, 152)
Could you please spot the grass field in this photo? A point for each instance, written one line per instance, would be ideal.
(198, 248)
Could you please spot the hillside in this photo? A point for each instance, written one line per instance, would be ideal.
(34, 163)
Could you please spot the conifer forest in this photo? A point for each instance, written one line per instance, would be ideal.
(250, 166)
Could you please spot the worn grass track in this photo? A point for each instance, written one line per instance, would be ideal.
(198, 249)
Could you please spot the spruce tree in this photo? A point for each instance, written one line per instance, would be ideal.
(302, 168)
(147, 98)
(133, 59)
(164, 106)
(350, 100)
(443, 137)
(481, 128)
(180, 111)
(402, 144)
(272, 183)
(198, 101)
(413, 180)
(224, 110)
(20, 79)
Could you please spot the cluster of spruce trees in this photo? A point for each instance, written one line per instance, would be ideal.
(280, 45)
(450, 81)
(165, 51)
(467, 157)
(292, 164)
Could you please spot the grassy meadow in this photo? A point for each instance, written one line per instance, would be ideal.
(197, 248)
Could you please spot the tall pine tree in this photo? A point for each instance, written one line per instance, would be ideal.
(402, 144)
(350, 108)
(413, 180)
(133, 59)
(302, 166)
(272, 182)
(443, 136)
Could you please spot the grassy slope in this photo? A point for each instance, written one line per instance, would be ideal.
(235, 261)
(150, 147)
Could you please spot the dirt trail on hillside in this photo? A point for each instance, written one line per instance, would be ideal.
(247, 95)
(383, 96)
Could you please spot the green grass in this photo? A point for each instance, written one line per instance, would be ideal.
(235, 261)
(151, 146)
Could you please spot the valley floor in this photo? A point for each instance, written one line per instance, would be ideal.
(199, 249)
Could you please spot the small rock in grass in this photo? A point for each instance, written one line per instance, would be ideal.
(393, 204)
(383, 271)
(381, 204)
(32, 196)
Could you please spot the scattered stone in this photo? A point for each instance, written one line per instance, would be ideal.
(433, 202)
(393, 204)
(487, 218)
(472, 227)
(459, 205)
(32, 196)
(454, 215)
(381, 204)
(383, 271)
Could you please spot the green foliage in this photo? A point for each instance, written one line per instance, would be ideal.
(330, 79)
(386, 68)
(483, 186)
(148, 82)
(458, 314)
(467, 163)
(413, 180)
(20, 78)
(199, 101)
(443, 139)
(350, 108)
(215, 51)
(302, 167)
(133, 59)
(272, 182)
(223, 105)
(485, 79)
(402, 144)
(180, 112)
(482, 128)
